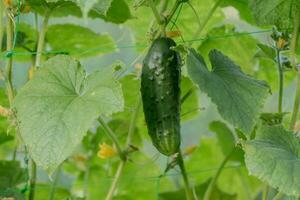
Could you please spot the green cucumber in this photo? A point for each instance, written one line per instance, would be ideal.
(160, 88)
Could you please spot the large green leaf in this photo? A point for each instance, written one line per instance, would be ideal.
(275, 12)
(274, 157)
(239, 97)
(59, 105)
(11, 174)
(78, 40)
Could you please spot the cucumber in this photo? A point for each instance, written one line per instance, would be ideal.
(160, 89)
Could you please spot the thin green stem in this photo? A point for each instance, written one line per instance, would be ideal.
(266, 192)
(293, 61)
(1, 24)
(278, 196)
(9, 62)
(32, 180)
(207, 18)
(188, 190)
(133, 121)
(195, 13)
(41, 41)
(54, 184)
(112, 136)
(122, 163)
(86, 178)
(173, 11)
(114, 184)
(213, 182)
(155, 12)
(281, 80)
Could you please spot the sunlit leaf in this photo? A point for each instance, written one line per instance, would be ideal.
(63, 102)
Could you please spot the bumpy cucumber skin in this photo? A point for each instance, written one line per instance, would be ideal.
(160, 88)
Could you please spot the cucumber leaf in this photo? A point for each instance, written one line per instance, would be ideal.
(273, 157)
(63, 102)
(275, 12)
(239, 97)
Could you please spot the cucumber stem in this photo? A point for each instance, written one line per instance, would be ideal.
(281, 78)
(9, 62)
(113, 137)
(213, 182)
(53, 185)
(209, 15)
(188, 190)
(266, 192)
(122, 163)
(41, 41)
(32, 180)
(293, 62)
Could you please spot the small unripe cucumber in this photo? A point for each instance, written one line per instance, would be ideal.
(160, 88)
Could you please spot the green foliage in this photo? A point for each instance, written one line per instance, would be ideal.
(11, 174)
(217, 194)
(273, 156)
(78, 41)
(115, 11)
(239, 97)
(190, 106)
(54, 114)
(63, 103)
(226, 140)
(279, 12)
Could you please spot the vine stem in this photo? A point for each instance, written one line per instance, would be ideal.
(158, 17)
(188, 190)
(53, 185)
(32, 180)
(1, 24)
(281, 78)
(9, 63)
(122, 163)
(266, 192)
(293, 61)
(113, 137)
(114, 184)
(213, 182)
(209, 15)
(41, 40)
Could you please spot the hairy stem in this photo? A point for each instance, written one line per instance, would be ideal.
(188, 190)
(293, 61)
(9, 62)
(1, 24)
(41, 41)
(53, 185)
(155, 12)
(266, 192)
(32, 180)
(119, 171)
(114, 184)
(207, 18)
(113, 137)
(281, 79)
(213, 182)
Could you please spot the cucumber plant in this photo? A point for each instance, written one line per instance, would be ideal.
(197, 104)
